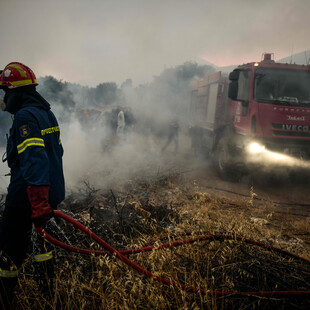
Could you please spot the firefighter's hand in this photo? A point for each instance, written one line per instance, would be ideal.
(41, 209)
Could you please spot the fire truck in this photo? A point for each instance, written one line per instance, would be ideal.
(260, 110)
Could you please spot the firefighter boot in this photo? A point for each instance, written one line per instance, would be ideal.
(44, 277)
(7, 285)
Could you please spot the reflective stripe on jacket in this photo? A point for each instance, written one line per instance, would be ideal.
(43, 257)
(34, 154)
(8, 273)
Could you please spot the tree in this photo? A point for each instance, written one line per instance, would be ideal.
(56, 92)
(106, 93)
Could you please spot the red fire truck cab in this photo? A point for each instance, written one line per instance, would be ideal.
(260, 108)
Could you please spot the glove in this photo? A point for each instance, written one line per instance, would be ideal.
(41, 209)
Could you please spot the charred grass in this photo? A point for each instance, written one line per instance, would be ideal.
(154, 212)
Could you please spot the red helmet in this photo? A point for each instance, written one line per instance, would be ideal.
(15, 74)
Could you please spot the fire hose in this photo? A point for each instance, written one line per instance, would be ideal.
(121, 255)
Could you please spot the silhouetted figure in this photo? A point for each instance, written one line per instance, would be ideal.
(120, 125)
(173, 135)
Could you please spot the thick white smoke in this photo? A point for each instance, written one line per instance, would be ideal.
(94, 153)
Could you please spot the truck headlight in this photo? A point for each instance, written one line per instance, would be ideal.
(255, 147)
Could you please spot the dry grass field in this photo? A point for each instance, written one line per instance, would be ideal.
(175, 206)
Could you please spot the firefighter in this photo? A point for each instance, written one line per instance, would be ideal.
(34, 156)
(173, 135)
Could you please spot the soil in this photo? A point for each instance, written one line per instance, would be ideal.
(272, 203)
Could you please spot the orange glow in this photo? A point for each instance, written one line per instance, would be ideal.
(222, 60)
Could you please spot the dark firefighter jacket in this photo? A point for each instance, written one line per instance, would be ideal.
(34, 150)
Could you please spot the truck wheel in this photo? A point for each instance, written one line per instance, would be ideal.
(227, 170)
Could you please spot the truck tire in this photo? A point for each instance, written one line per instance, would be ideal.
(226, 166)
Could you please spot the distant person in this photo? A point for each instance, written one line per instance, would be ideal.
(34, 155)
(120, 125)
(173, 135)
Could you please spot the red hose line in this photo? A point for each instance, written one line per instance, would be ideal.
(221, 237)
(218, 237)
(120, 255)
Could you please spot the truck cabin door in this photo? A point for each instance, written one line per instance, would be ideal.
(239, 93)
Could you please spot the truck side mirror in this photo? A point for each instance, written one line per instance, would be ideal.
(233, 90)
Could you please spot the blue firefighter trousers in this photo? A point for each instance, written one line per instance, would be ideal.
(15, 244)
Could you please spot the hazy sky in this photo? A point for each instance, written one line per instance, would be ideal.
(96, 41)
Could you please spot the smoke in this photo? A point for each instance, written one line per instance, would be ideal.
(93, 151)
(4, 171)
(107, 160)
(84, 161)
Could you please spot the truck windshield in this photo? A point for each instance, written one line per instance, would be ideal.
(282, 86)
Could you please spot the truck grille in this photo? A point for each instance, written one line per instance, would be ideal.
(291, 133)
(291, 130)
